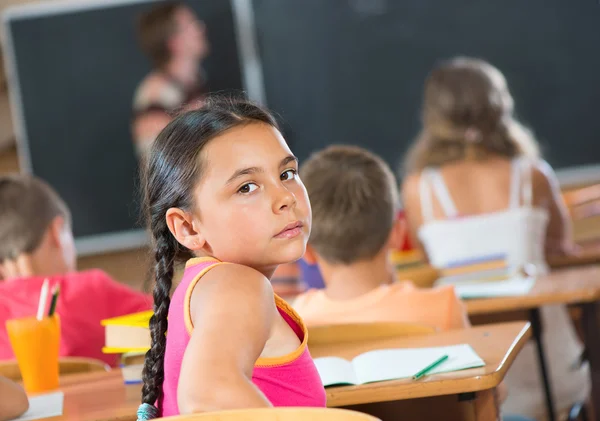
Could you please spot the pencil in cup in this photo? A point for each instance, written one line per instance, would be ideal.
(430, 367)
(54, 300)
(35, 344)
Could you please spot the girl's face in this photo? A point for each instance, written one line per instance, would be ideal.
(251, 207)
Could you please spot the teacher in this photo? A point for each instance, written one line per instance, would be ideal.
(174, 39)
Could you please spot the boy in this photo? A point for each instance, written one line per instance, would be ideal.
(36, 242)
(354, 200)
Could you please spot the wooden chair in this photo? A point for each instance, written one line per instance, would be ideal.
(66, 366)
(277, 414)
(353, 332)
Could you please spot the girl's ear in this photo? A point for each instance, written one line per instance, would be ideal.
(181, 225)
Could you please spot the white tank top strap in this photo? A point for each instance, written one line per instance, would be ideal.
(442, 194)
(425, 196)
(432, 177)
(515, 183)
(521, 189)
(527, 184)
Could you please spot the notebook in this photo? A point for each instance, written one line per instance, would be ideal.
(130, 333)
(392, 364)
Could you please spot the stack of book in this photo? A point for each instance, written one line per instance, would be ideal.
(130, 333)
(479, 269)
(485, 277)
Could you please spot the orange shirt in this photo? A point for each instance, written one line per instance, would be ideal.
(399, 302)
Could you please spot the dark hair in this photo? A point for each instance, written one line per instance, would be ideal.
(154, 28)
(27, 207)
(354, 200)
(171, 172)
(467, 112)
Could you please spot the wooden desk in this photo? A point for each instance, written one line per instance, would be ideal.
(497, 345)
(564, 286)
(103, 396)
(577, 286)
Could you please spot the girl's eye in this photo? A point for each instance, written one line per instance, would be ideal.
(247, 188)
(288, 175)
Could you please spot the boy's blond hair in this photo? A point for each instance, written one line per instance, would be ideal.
(27, 207)
(354, 199)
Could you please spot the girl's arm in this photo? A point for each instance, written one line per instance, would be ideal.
(232, 310)
(547, 194)
(13, 400)
(411, 202)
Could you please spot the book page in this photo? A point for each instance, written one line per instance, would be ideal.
(391, 364)
(486, 289)
(334, 371)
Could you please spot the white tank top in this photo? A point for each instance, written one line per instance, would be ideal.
(518, 233)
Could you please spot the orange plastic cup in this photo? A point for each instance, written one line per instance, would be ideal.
(35, 344)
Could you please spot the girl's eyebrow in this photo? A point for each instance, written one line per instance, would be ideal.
(287, 160)
(244, 171)
(253, 170)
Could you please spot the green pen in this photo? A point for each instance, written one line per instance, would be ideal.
(430, 367)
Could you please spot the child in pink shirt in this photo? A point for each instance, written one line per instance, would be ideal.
(354, 200)
(36, 242)
(222, 195)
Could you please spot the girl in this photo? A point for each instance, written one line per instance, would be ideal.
(221, 191)
(476, 187)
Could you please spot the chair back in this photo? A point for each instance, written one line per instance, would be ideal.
(277, 414)
(354, 332)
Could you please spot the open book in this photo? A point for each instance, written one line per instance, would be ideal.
(391, 364)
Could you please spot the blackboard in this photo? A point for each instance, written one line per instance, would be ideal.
(335, 71)
(74, 72)
(352, 71)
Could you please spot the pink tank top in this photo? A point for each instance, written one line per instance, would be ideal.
(290, 380)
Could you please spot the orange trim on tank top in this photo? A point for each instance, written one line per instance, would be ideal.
(279, 302)
(294, 355)
(187, 299)
(197, 260)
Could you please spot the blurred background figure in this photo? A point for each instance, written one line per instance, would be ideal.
(476, 189)
(174, 39)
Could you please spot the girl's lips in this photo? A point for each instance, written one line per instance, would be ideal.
(291, 230)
